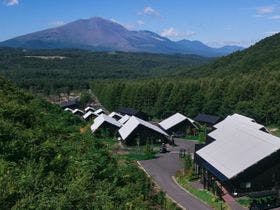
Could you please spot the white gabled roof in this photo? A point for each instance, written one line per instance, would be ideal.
(124, 119)
(104, 118)
(239, 145)
(174, 120)
(98, 111)
(240, 121)
(133, 123)
(68, 109)
(76, 111)
(88, 114)
(113, 114)
(89, 108)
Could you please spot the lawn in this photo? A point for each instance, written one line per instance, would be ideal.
(140, 153)
(200, 136)
(202, 195)
(244, 201)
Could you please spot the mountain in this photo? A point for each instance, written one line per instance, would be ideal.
(199, 48)
(99, 34)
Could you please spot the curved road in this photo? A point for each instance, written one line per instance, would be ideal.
(164, 167)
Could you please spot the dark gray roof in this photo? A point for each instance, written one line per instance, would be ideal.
(133, 112)
(69, 104)
(206, 118)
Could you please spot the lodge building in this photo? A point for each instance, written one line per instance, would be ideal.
(178, 125)
(242, 156)
(105, 123)
(136, 129)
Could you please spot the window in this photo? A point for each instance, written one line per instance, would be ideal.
(248, 185)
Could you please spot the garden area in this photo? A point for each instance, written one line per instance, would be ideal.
(199, 136)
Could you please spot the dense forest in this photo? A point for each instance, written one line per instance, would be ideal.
(255, 95)
(246, 82)
(74, 69)
(46, 162)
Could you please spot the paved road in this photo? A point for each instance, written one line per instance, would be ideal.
(164, 167)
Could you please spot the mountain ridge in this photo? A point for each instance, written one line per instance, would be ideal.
(99, 34)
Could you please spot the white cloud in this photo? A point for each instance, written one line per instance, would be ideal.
(11, 2)
(270, 33)
(275, 17)
(228, 28)
(140, 22)
(149, 11)
(129, 26)
(244, 43)
(265, 10)
(114, 20)
(57, 23)
(169, 32)
(173, 33)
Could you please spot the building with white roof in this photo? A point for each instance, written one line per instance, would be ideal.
(68, 110)
(115, 115)
(89, 115)
(177, 124)
(124, 119)
(99, 111)
(89, 108)
(241, 155)
(136, 129)
(78, 112)
(104, 122)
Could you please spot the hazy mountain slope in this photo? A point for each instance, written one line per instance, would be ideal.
(263, 56)
(199, 48)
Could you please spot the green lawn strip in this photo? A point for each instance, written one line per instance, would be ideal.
(244, 201)
(200, 137)
(144, 152)
(203, 195)
(169, 204)
(137, 156)
(192, 137)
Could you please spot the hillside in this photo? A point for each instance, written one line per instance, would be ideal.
(99, 34)
(74, 69)
(263, 56)
(46, 163)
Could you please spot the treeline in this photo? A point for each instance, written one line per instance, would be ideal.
(46, 162)
(77, 68)
(255, 95)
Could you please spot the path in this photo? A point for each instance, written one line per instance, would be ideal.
(164, 167)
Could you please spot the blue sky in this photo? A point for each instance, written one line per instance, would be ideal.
(215, 22)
